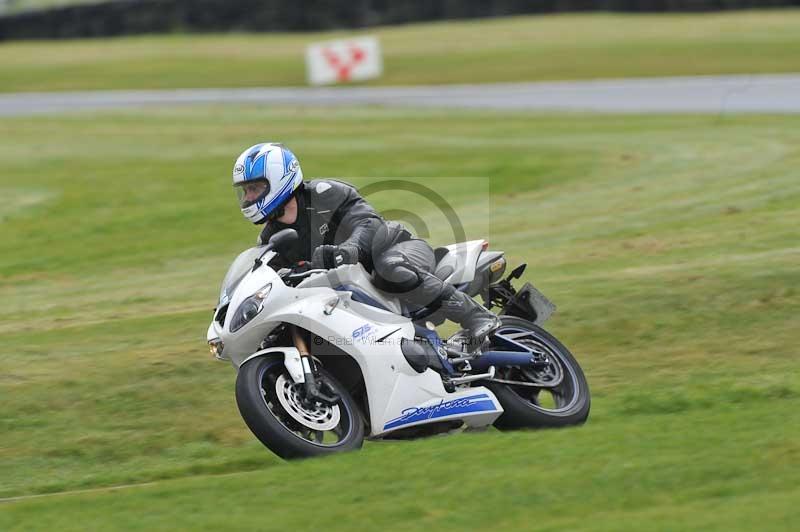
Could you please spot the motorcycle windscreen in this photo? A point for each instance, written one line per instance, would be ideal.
(241, 265)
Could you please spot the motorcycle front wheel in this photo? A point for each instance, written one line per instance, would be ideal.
(275, 410)
(553, 394)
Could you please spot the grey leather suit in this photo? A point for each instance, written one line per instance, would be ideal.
(333, 212)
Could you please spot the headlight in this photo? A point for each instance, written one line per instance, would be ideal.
(250, 308)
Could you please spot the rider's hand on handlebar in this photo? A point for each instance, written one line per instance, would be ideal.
(328, 256)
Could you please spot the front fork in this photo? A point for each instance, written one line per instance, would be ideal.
(310, 380)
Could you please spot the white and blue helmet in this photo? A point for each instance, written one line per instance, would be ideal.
(265, 176)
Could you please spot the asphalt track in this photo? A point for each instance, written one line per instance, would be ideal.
(712, 94)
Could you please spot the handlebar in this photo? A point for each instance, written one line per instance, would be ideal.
(291, 274)
(306, 273)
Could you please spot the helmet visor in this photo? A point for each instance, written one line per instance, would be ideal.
(249, 192)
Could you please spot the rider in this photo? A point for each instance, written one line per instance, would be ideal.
(337, 226)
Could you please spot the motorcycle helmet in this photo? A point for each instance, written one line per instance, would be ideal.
(265, 176)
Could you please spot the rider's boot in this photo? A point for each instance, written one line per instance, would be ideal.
(471, 315)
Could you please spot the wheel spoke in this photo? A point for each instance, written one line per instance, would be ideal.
(554, 373)
(285, 402)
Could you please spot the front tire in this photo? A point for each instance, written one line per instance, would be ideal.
(271, 405)
(564, 405)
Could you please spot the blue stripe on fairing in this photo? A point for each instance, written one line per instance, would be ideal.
(463, 405)
(361, 296)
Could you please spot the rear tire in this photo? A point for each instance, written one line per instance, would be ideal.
(523, 405)
(302, 432)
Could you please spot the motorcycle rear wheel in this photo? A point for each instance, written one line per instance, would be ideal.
(563, 405)
(272, 406)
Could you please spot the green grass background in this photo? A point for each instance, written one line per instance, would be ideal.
(525, 48)
(670, 244)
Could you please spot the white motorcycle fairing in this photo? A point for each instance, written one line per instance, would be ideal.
(462, 257)
(397, 396)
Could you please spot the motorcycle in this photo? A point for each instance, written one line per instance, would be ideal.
(325, 359)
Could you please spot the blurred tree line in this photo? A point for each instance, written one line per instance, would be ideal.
(121, 17)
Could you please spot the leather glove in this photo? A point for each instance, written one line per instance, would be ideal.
(328, 256)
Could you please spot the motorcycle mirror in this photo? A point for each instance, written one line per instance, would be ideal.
(278, 242)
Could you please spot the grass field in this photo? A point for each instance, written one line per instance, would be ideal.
(512, 49)
(669, 243)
